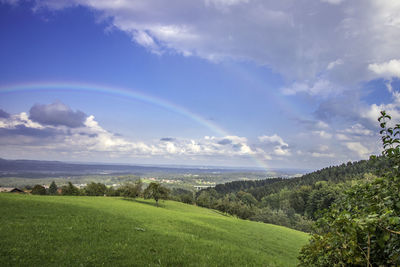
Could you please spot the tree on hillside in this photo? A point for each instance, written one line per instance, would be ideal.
(95, 189)
(247, 198)
(156, 191)
(130, 189)
(182, 195)
(207, 198)
(53, 188)
(38, 190)
(70, 190)
(363, 228)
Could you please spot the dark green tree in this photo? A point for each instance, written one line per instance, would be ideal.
(70, 190)
(95, 189)
(38, 190)
(247, 198)
(53, 188)
(363, 227)
(207, 198)
(298, 199)
(182, 195)
(111, 192)
(156, 191)
(131, 189)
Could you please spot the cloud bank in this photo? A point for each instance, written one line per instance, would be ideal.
(57, 114)
(73, 135)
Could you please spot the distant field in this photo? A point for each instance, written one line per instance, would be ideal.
(96, 231)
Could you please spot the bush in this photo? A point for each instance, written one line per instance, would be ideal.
(70, 190)
(38, 190)
(111, 192)
(95, 189)
(182, 195)
(130, 189)
(362, 228)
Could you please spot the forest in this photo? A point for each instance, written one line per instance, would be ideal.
(295, 202)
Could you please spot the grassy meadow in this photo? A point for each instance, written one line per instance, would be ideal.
(104, 231)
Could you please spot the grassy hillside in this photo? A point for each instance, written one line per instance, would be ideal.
(94, 231)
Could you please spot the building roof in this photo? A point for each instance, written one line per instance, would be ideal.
(9, 190)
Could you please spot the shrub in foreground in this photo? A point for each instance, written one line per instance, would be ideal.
(363, 228)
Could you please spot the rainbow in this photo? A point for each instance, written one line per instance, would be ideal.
(123, 93)
(118, 91)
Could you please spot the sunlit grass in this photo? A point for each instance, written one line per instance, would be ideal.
(94, 231)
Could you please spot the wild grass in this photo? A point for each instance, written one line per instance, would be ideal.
(103, 231)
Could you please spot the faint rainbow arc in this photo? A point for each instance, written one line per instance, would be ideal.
(68, 86)
(123, 92)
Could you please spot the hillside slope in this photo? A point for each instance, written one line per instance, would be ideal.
(71, 231)
(333, 174)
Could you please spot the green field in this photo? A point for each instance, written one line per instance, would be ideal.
(103, 231)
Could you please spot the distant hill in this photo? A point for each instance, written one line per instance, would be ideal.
(37, 168)
(334, 174)
(97, 231)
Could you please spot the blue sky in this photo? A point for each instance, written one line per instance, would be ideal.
(293, 84)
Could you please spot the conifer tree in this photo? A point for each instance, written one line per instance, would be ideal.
(53, 188)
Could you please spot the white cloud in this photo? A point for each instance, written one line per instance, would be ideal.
(358, 129)
(372, 112)
(323, 148)
(91, 138)
(387, 69)
(359, 149)
(286, 36)
(342, 137)
(322, 125)
(335, 63)
(224, 3)
(319, 87)
(322, 155)
(281, 149)
(144, 39)
(272, 139)
(20, 119)
(322, 134)
(333, 2)
(22, 137)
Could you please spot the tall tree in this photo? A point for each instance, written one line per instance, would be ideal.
(131, 189)
(95, 189)
(70, 190)
(53, 188)
(156, 191)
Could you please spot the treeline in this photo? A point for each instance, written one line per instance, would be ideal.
(295, 202)
(333, 174)
(128, 189)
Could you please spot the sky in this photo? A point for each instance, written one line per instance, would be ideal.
(242, 83)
